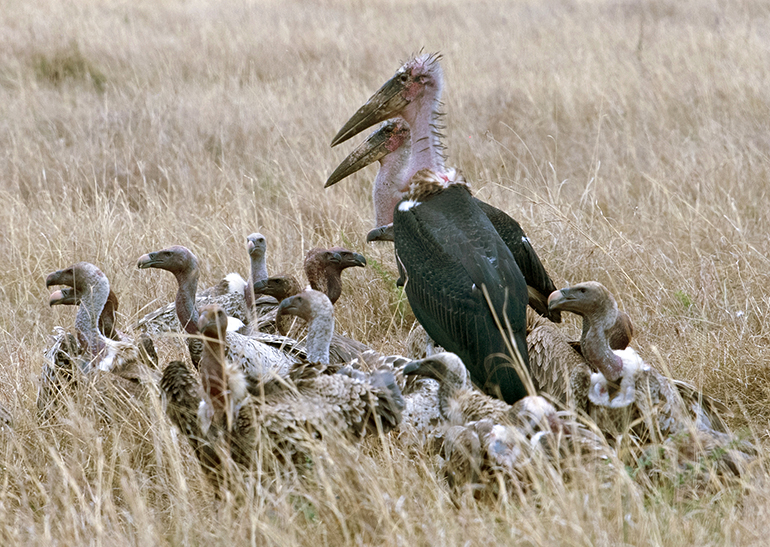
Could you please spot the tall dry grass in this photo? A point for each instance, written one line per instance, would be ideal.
(629, 138)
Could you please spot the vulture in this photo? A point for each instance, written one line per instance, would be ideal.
(129, 365)
(461, 279)
(418, 409)
(458, 401)
(323, 268)
(232, 293)
(622, 389)
(481, 433)
(107, 323)
(557, 363)
(257, 249)
(280, 417)
(391, 146)
(108, 318)
(205, 410)
(257, 355)
(315, 308)
(256, 246)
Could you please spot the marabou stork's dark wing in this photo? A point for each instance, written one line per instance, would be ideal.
(448, 249)
(529, 263)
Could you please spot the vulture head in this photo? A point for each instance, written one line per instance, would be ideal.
(308, 305)
(176, 259)
(107, 319)
(596, 305)
(445, 367)
(80, 277)
(591, 300)
(324, 267)
(317, 310)
(279, 287)
(256, 244)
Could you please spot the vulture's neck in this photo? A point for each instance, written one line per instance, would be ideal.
(320, 329)
(86, 321)
(185, 299)
(258, 267)
(595, 345)
(212, 370)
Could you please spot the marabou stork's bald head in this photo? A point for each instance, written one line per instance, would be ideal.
(389, 137)
(418, 80)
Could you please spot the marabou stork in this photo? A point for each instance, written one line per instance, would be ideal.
(390, 145)
(448, 252)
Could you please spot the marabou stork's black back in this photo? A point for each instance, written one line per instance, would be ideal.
(447, 248)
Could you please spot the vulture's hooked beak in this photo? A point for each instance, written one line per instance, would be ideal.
(559, 298)
(63, 296)
(430, 367)
(148, 260)
(381, 233)
(56, 298)
(353, 259)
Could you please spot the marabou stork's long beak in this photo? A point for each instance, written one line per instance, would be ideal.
(369, 151)
(386, 103)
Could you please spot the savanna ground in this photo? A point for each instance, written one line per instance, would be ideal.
(630, 139)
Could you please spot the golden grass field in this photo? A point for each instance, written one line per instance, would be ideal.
(630, 139)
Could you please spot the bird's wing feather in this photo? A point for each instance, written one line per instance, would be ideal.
(448, 249)
(529, 263)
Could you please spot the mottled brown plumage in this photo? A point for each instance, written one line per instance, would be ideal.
(183, 397)
(655, 406)
(282, 417)
(289, 421)
(109, 365)
(458, 401)
(558, 369)
(482, 434)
